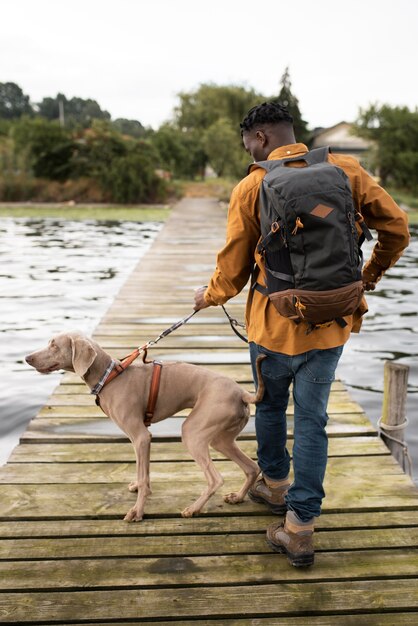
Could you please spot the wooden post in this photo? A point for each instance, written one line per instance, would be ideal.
(394, 420)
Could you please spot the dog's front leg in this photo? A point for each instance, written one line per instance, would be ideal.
(142, 446)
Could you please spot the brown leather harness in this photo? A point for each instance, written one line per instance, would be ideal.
(116, 368)
(119, 368)
(153, 392)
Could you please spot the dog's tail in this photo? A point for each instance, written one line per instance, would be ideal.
(257, 397)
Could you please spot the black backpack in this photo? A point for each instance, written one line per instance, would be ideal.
(310, 243)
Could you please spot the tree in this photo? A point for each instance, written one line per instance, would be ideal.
(180, 151)
(125, 169)
(13, 102)
(76, 112)
(133, 128)
(46, 148)
(132, 177)
(219, 142)
(289, 100)
(202, 109)
(395, 133)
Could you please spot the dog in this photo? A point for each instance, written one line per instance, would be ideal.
(219, 410)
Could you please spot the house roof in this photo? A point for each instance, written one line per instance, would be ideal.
(340, 137)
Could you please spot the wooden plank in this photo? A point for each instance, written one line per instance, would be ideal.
(180, 571)
(368, 619)
(189, 473)
(163, 527)
(97, 428)
(76, 500)
(173, 451)
(85, 406)
(71, 384)
(199, 545)
(240, 372)
(61, 404)
(287, 599)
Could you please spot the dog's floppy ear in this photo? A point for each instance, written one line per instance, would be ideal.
(83, 354)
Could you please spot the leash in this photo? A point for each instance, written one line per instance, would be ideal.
(234, 323)
(115, 368)
(118, 367)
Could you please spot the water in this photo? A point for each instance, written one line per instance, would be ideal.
(55, 276)
(63, 275)
(389, 333)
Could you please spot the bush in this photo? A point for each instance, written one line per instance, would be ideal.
(132, 180)
(23, 189)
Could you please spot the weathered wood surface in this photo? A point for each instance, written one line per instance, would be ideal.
(172, 451)
(67, 557)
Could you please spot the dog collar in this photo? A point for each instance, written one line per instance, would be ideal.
(99, 386)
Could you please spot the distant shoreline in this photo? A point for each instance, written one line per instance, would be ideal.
(72, 211)
(113, 212)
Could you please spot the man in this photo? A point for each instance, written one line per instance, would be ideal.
(306, 360)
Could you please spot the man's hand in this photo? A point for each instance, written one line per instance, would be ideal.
(369, 285)
(199, 300)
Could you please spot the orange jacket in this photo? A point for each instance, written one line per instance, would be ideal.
(236, 260)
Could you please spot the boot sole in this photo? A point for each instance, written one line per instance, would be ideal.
(277, 509)
(302, 560)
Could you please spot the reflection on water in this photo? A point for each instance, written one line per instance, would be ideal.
(58, 275)
(55, 275)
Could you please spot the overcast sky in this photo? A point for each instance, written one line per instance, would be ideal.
(135, 56)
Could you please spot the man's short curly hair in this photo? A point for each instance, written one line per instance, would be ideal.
(265, 113)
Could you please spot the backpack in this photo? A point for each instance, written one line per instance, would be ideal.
(309, 240)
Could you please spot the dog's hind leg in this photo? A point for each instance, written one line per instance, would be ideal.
(226, 444)
(197, 443)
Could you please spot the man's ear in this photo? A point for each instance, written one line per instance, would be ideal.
(83, 355)
(261, 137)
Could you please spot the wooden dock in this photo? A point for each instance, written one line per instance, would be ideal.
(66, 556)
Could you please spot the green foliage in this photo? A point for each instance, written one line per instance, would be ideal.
(133, 128)
(75, 112)
(203, 113)
(46, 148)
(202, 108)
(289, 100)
(131, 176)
(180, 151)
(395, 133)
(220, 144)
(96, 148)
(13, 102)
(119, 169)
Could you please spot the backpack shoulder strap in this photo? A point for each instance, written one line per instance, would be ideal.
(318, 155)
(264, 165)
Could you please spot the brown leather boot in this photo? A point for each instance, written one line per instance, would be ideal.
(273, 497)
(293, 539)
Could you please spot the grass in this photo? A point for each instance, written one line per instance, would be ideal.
(220, 188)
(140, 213)
(407, 201)
(214, 188)
(413, 218)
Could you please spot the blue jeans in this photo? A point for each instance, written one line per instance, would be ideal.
(312, 374)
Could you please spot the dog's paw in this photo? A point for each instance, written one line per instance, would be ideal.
(189, 512)
(133, 515)
(133, 486)
(232, 498)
